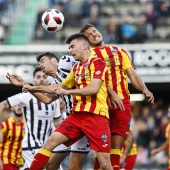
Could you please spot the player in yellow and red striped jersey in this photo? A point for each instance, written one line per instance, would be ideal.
(120, 67)
(129, 152)
(89, 114)
(13, 132)
(166, 144)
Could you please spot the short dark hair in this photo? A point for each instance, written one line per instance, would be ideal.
(76, 36)
(85, 27)
(36, 70)
(47, 54)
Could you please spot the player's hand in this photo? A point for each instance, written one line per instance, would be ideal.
(154, 152)
(149, 95)
(15, 79)
(116, 101)
(122, 159)
(60, 91)
(26, 88)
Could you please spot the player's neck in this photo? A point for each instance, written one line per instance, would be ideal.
(17, 119)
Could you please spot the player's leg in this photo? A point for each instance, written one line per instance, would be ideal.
(76, 161)
(43, 155)
(55, 160)
(104, 160)
(119, 127)
(78, 154)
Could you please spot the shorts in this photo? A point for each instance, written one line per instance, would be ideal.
(120, 119)
(10, 167)
(81, 146)
(95, 127)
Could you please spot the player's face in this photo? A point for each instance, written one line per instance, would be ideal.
(94, 36)
(75, 48)
(45, 64)
(17, 109)
(40, 79)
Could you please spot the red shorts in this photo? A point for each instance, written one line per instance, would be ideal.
(95, 127)
(10, 167)
(120, 119)
(130, 162)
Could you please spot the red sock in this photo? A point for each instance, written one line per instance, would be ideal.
(115, 158)
(40, 159)
(96, 164)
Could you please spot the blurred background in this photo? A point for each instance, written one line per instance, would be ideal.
(142, 27)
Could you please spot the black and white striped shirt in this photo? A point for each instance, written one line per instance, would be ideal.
(38, 118)
(64, 67)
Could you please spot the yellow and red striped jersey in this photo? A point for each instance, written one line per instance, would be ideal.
(80, 77)
(117, 60)
(11, 146)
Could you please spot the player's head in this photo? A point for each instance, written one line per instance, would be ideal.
(39, 78)
(78, 44)
(17, 111)
(48, 62)
(94, 36)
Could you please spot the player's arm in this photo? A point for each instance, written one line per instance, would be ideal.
(138, 83)
(130, 140)
(43, 89)
(90, 90)
(163, 147)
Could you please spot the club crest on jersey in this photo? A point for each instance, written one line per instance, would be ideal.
(104, 138)
(98, 72)
(87, 64)
(114, 51)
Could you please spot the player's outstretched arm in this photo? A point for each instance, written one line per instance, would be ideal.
(138, 83)
(15, 79)
(90, 90)
(43, 89)
(130, 140)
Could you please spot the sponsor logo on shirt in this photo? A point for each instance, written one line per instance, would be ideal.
(114, 51)
(98, 72)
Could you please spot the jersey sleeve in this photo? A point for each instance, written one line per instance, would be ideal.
(57, 112)
(126, 60)
(18, 100)
(98, 69)
(69, 81)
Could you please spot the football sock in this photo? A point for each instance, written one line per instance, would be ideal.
(115, 158)
(40, 159)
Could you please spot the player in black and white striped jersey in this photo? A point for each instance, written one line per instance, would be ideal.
(38, 117)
